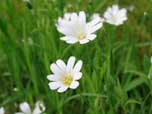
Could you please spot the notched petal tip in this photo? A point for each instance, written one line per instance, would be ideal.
(62, 89)
(54, 85)
(51, 77)
(74, 85)
(77, 76)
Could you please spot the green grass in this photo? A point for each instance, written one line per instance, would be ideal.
(116, 64)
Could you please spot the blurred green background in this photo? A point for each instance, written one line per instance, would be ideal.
(116, 64)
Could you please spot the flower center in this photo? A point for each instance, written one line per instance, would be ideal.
(115, 18)
(67, 79)
(81, 37)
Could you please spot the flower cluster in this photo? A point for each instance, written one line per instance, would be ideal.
(75, 28)
(25, 108)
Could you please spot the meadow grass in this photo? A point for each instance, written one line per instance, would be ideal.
(116, 64)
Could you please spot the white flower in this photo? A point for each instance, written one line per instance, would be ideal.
(65, 76)
(76, 29)
(2, 111)
(25, 108)
(115, 16)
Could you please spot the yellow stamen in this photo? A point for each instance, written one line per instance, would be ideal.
(67, 79)
(81, 37)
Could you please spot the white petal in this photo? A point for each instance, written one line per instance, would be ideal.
(74, 17)
(115, 7)
(72, 41)
(84, 41)
(25, 108)
(2, 111)
(64, 28)
(62, 89)
(82, 17)
(53, 77)
(123, 11)
(78, 66)
(61, 64)
(70, 63)
(74, 85)
(54, 85)
(92, 37)
(94, 22)
(95, 27)
(39, 108)
(114, 10)
(107, 15)
(67, 16)
(69, 39)
(65, 38)
(77, 76)
(55, 69)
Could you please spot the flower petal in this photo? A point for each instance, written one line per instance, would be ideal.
(92, 37)
(70, 63)
(61, 64)
(74, 16)
(82, 17)
(84, 41)
(72, 41)
(64, 28)
(94, 22)
(53, 77)
(67, 16)
(2, 111)
(54, 85)
(74, 85)
(78, 66)
(77, 76)
(65, 38)
(55, 69)
(62, 89)
(25, 108)
(39, 108)
(115, 7)
(69, 39)
(95, 27)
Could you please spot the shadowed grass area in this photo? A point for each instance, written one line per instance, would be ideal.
(116, 64)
